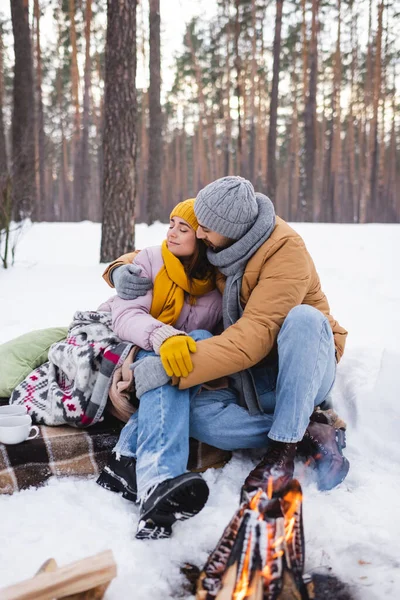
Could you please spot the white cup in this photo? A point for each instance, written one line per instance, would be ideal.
(12, 410)
(17, 429)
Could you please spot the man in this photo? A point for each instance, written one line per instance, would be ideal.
(279, 347)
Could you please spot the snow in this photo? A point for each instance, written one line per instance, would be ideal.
(354, 530)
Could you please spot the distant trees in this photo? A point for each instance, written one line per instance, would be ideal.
(119, 141)
(324, 102)
(296, 96)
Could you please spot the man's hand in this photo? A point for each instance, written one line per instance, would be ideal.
(128, 283)
(175, 355)
(149, 374)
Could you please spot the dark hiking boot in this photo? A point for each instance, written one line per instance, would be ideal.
(277, 465)
(119, 475)
(323, 444)
(172, 500)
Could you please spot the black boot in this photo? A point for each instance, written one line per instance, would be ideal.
(171, 500)
(119, 475)
(275, 469)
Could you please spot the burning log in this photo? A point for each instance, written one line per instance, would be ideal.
(260, 555)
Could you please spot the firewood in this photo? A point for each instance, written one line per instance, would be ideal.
(290, 591)
(75, 578)
(228, 583)
(260, 555)
(96, 593)
(48, 566)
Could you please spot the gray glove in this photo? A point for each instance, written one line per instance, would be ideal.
(149, 374)
(128, 283)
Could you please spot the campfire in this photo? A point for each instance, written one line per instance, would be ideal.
(260, 555)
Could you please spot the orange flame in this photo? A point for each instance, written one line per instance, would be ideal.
(253, 504)
(270, 487)
(275, 547)
(291, 500)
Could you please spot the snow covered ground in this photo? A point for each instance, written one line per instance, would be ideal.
(353, 530)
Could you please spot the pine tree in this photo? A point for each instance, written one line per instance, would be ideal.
(273, 109)
(119, 144)
(23, 120)
(155, 116)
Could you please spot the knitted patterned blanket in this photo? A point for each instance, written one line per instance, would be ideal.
(72, 387)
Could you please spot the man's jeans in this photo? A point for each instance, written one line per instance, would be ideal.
(158, 433)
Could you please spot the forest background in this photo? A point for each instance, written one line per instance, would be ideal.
(301, 97)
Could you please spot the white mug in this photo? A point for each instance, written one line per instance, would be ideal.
(12, 410)
(17, 429)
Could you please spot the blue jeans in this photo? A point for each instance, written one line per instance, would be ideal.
(157, 435)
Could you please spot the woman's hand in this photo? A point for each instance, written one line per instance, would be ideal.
(175, 355)
(128, 283)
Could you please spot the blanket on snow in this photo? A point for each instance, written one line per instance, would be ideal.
(71, 388)
(59, 452)
(67, 451)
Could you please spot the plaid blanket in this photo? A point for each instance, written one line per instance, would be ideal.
(72, 387)
(67, 451)
(59, 451)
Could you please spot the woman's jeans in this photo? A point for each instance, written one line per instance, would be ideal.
(157, 435)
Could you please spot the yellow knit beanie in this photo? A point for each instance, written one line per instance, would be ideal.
(185, 210)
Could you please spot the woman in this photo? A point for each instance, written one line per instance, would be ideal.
(150, 458)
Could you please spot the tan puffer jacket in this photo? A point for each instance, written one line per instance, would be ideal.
(279, 276)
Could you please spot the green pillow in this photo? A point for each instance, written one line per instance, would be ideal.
(20, 356)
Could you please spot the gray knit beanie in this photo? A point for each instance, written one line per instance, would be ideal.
(227, 206)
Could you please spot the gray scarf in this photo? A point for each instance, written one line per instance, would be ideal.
(232, 262)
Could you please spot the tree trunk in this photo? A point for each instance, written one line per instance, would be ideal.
(352, 184)
(294, 153)
(374, 138)
(384, 158)
(64, 206)
(252, 149)
(42, 200)
(3, 148)
(365, 167)
(335, 197)
(155, 116)
(310, 120)
(227, 117)
(304, 48)
(119, 143)
(143, 159)
(238, 67)
(273, 109)
(23, 121)
(75, 150)
(83, 174)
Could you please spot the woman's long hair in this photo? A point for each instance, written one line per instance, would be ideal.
(199, 267)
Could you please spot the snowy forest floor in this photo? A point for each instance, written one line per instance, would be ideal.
(352, 531)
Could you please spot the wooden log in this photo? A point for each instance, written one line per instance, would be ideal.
(48, 566)
(96, 593)
(75, 578)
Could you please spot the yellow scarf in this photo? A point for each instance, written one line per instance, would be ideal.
(170, 286)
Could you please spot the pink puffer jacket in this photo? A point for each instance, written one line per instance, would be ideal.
(133, 323)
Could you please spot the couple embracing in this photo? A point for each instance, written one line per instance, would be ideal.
(227, 259)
